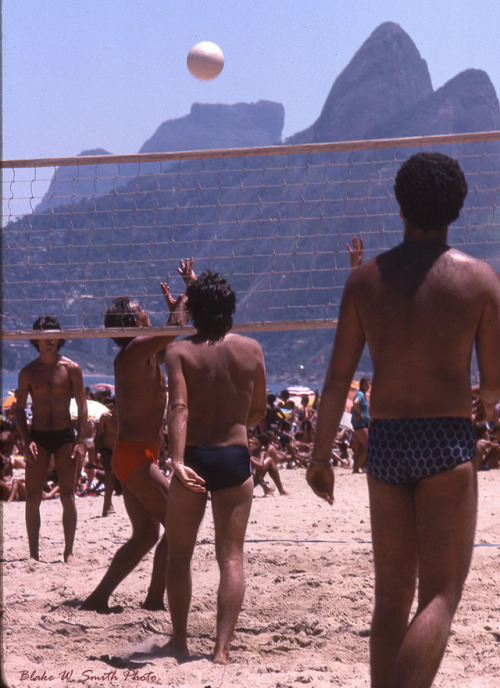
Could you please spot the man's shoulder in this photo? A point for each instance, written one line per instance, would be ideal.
(71, 366)
(179, 345)
(243, 341)
(30, 367)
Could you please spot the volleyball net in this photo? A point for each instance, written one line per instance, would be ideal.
(275, 221)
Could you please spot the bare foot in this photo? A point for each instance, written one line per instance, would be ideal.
(221, 656)
(153, 606)
(69, 558)
(284, 493)
(178, 649)
(94, 604)
(110, 510)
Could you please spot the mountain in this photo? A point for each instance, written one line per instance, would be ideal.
(206, 127)
(466, 103)
(69, 183)
(220, 126)
(276, 226)
(385, 76)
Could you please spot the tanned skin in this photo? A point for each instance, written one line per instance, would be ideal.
(140, 395)
(216, 391)
(421, 307)
(51, 380)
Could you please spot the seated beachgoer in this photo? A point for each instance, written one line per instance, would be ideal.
(265, 462)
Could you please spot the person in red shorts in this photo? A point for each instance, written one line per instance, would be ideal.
(140, 394)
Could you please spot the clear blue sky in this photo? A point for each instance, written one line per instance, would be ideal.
(82, 74)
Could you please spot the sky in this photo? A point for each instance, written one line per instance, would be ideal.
(84, 74)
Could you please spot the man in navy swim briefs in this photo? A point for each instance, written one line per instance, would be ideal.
(217, 389)
(421, 307)
(51, 380)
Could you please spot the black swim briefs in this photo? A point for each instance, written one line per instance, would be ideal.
(51, 440)
(220, 467)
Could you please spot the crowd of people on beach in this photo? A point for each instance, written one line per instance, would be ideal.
(283, 440)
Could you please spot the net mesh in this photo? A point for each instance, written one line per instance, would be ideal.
(78, 232)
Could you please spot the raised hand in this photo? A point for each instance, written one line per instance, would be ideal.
(186, 270)
(177, 307)
(356, 252)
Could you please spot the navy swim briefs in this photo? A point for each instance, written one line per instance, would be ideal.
(220, 467)
(404, 451)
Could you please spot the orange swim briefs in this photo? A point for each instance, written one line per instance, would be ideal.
(128, 456)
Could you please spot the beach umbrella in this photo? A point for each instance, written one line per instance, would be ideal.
(94, 409)
(298, 391)
(103, 387)
(9, 401)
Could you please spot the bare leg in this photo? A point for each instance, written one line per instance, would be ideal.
(14, 490)
(360, 449)
(156, 593)
(231, 510)
(394, 539)
(446, 507)
(151, 486)
(36, 472)
(273, 471)
(66, 468)
(109, 483)
(435, 525)
(185, 513)
(145, 530)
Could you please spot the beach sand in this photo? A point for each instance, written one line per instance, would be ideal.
(305, 619)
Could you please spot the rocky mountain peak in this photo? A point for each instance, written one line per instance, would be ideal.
(386, 74)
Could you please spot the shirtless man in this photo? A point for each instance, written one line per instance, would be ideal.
(217, 389)
(105, 438)
(51, 380)
(421, 307)
(140, 395)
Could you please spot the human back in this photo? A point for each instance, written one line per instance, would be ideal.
(421, 305)
(140, 394)
(220, 406)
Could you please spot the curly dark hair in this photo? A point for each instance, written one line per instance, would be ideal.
(122, 313)
(430, 189)
(211, 302)
(47, 322)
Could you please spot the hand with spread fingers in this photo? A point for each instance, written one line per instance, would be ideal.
(356, 252)
(186, 270)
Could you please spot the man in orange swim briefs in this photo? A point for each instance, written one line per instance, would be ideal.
(140, 395)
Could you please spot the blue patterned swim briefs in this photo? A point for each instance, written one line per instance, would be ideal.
(405, 450)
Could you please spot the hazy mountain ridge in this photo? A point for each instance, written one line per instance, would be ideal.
(285, 215)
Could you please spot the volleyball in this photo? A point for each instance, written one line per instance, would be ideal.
(205, 60)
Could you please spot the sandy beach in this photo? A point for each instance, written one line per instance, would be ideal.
(305, 619)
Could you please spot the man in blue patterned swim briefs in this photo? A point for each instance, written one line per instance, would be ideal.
(421, 307)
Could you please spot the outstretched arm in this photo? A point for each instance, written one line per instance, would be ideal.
(177, 307)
